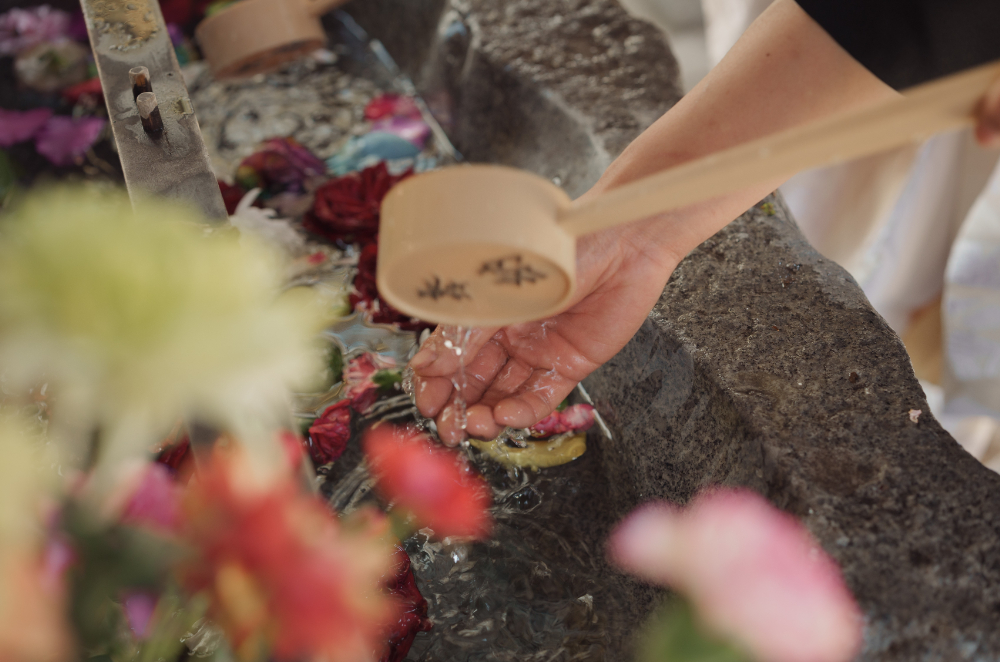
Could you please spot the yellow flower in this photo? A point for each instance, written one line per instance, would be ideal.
(138, 318)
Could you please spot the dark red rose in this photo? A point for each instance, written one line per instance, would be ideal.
(231, 196)
(329, 434)
(177, 457)
(365, 297)
(413, 619)
(347, 208)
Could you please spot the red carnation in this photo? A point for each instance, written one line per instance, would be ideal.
(347, 208)
(329, 434)
(435, 485)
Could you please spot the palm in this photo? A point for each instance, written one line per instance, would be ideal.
(517, 375)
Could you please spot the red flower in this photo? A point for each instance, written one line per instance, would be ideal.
(329, 434)
(282, 164)
(571, 419)
(284, 577)
(435, 485)
(231, 196)
(391, 105)
(366, 299)
(347, 208)
(413, 618)
(90, 88)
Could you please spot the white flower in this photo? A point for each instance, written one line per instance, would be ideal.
(137, 319)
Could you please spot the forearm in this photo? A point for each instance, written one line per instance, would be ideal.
(783, 72)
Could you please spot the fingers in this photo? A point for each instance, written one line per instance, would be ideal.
(437, 359)
(535, 399)
(988, 118)
(481, 422)
(432, 393)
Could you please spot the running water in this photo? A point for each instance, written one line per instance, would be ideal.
(456, 340)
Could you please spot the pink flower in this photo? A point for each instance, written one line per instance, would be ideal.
(433, 484)
(139, 607)
(360, 389)
(20, 29)
(754, 574)
(572, 419)
(17, 126)
(64, 139)
(155, 503)
(391, 105)
(414, 130)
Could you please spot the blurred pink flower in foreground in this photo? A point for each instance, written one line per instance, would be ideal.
(754, 574)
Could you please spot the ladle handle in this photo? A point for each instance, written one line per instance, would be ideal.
(920, 112)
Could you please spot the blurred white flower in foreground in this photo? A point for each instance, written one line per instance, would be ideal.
(138, 318)
(753, 573)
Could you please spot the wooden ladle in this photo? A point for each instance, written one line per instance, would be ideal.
(485, 245)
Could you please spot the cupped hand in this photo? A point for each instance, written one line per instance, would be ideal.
(988, 118)
(518, 374)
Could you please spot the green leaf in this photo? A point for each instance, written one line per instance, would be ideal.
(174, 617)
(675, 635)
(335, 364)
(563, 405)
(110, 560)
(387, 379)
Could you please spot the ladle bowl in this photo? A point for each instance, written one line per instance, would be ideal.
(478, 242)
(484, 245)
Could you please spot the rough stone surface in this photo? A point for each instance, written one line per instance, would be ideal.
(764, 365)
(558, 87)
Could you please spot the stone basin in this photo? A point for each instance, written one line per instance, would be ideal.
(762, 365)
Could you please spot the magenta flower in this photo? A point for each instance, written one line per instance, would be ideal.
(155, 503)
(64, 139)
(414, 130)
(17, 126)
(575, 418)
(20, 29)
(753, 573)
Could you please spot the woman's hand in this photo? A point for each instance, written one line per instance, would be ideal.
(517, 375)
(988, 118)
